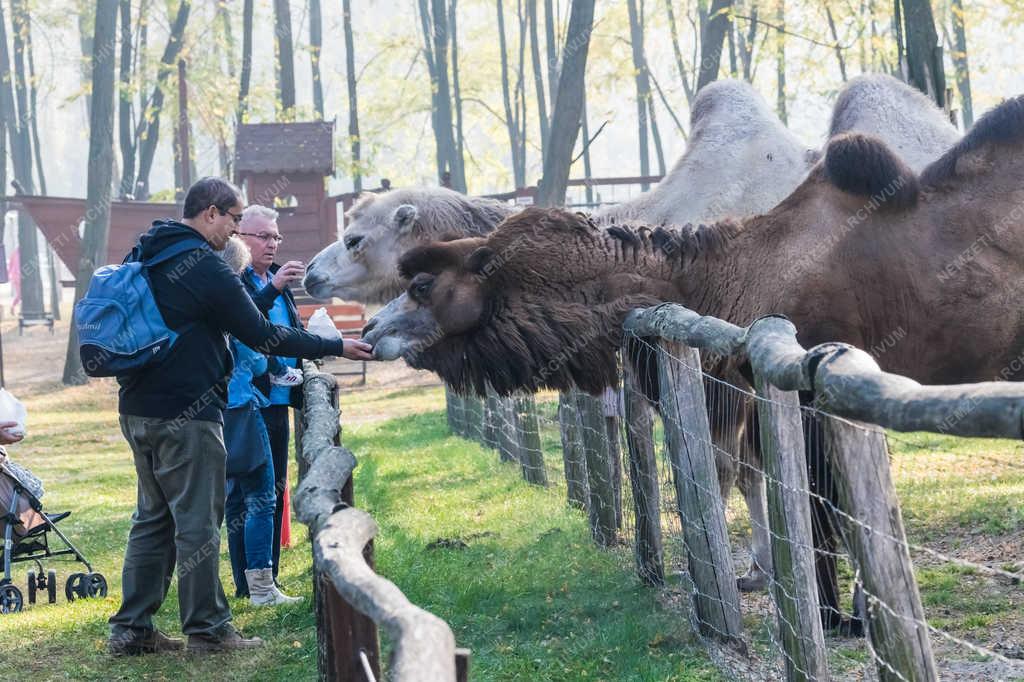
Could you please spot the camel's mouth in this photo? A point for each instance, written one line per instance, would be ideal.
(402, 329)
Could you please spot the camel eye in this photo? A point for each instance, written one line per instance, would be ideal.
(351, 243)
(420, 288)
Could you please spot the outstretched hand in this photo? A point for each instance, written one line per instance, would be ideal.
(358, 350)
(6, 437)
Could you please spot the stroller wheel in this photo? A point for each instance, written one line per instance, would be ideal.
(51, 586)
(10, 599)
(95, 585)
(74, 587)
(32, 587)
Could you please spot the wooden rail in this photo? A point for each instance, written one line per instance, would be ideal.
(352, 600)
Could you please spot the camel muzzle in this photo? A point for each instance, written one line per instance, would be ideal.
(401, 329)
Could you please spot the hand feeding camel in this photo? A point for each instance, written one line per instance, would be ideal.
(864, 247)
(740, 160)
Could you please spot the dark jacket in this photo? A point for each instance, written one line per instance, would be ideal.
(264, 298)
(200, 298)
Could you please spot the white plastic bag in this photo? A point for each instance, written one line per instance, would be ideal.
(11, 410)
(321, 324)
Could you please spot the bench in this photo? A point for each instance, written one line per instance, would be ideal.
(349, 319)
(23, 322)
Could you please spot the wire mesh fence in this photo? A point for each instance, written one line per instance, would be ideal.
(830, 564)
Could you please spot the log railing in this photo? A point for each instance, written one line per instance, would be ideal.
(351, 600)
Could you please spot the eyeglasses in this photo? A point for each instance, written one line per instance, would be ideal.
(263, 236)
(236, 217)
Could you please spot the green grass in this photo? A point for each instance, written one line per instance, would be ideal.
(529, 593)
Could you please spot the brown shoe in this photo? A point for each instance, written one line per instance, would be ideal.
(136, 644)
(226, 639)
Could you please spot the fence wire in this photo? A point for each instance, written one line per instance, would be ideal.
(973, 601)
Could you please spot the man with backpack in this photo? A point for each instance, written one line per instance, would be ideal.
(171, 413)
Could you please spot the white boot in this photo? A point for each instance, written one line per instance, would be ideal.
(263, 591)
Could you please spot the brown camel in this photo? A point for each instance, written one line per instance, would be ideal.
(863, 250)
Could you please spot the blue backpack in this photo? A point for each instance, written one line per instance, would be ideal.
(120, 328)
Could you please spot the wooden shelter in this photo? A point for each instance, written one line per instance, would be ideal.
(283, 166)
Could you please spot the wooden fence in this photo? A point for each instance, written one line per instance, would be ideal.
(853, 400)
(351, 600)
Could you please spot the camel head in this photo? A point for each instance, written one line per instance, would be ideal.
(363, 265)
(516, 309)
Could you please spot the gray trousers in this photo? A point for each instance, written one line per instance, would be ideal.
(177, 519)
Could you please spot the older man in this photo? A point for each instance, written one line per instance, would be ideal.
(268, 284)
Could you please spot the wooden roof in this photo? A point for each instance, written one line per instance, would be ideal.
(302, 147)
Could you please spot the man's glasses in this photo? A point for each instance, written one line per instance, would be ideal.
(263, 236)
(236, 217)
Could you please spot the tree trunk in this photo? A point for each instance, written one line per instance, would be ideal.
(780, 60)
(246, 72)
(124, 99)
(711, 45)
(684, 77)
(31, 279)
(85, 43)
(434, 21)
(538, 74)
(150, 129)
(101, 164)
(747, 44)
(835, 39)
(643, 89)
(963, 71)
(457, 93)
(285, 59)
(223, 151)
(587, 173)
(518, 177)
(33, 99)
(551, 43)
(353, 103)
(568, 108)
(520, 91)
(923, 52)
(315, 50)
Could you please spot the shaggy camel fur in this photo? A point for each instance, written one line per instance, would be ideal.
(862, 250)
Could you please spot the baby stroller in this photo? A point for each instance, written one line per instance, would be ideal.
(25, 528)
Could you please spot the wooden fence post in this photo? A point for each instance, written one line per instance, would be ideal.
(612, 425)
(877, 542)
(450, 409)
(643, 477)
(457, 410)
(601, 500)
(688, 437)
(531, 456)
(573, 460)
(474, 417)
(492, 419)
(794, 587)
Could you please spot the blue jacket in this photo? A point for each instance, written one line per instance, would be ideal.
(248, 365)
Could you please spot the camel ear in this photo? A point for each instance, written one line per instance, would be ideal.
(482, 262)
(404, 217)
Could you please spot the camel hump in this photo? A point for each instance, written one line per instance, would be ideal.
(863, 165)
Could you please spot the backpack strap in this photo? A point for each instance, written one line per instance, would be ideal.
(175, 249)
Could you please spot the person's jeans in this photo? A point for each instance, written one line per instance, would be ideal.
(276, 419)
(179, 509)
(250, 521)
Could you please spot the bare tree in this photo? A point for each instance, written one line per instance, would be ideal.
(124, 103)
(835, 39)
(18, 117)
(568, 107)
(100, 172)
(684, 77)
(460, 141)
(963, 69)
(538, 73)
(711, 43)
(315, 50)
(551, 44)
(644, 101)
(434, 22)
(285, 70)
(747, 43)
(149, 133)
(353, 102)
(780, 59)
(246, 71)
(512, 125)
(923, 54)
(222, 131)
